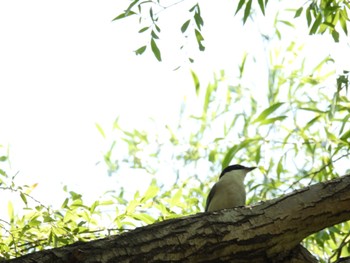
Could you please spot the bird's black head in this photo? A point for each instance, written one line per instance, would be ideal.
(235, 167)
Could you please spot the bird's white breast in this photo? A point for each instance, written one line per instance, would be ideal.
(229, 191)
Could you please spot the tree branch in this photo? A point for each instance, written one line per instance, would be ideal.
(266, 232)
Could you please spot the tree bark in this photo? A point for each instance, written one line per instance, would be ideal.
(267, 232)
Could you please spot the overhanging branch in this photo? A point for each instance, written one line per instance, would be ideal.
(266, 232)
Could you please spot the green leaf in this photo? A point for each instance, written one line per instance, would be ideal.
(93, 206)
(185, 26)
(279, 168)
(344, 122)
(345, 136)
(286, 23)
(154, 35)
(208, 93)
(65, 202)
(239, 6)
(308, 16)
(311, 122)
(157, 28)
(272, 120)
(258, 154)
(262, 6)
(131, 6)
(196, 81)
(99, 128)
(267, 112)
(193, 8)
(23, 197)
(232, 152)
(343, 20)
(151, 13)
(3, 158)
(140, 50)
(143, 29)
(10, 212)
(176, 198)
(316, 24)
(146, 218)
(124, 15)
(247, 11)
(199, 38)
(155, 50)
(335, 36)
(213, 156)
(298, 12)
(151, 192)
(229, 156)
(198, 19)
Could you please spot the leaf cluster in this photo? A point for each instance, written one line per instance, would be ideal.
(320, 16)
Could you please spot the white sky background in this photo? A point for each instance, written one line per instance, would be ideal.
(64, 66)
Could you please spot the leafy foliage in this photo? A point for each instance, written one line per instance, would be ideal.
(302, 121)
(321, 16)
(294, 126)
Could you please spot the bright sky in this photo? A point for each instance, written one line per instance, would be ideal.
(65, 66)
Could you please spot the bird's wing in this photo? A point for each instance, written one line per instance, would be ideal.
(210, 197)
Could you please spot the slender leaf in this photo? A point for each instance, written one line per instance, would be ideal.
(262, 6)
(146, 218)
(308, 16)
(316, 24)
(335, 36)
(23, 197)
(151, 192)
(140, 50)
(272, 120)
(343, 20)
(199, 38)
(298, 12)
(196, 82)
(268, 111)
(185, 26)
(143, 29)
(239, 6)
(124, 15)
(155, 50)
(198, 19)
(247, 11)
(10, 211)
(99, 128)
(154, 35)
(345, 136)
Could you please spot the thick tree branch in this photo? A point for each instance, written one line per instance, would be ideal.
(266, 232)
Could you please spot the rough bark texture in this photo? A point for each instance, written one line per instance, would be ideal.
(266, 232)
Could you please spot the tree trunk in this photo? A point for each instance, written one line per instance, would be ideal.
(267, 232)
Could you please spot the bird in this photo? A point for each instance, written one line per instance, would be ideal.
(229, 191)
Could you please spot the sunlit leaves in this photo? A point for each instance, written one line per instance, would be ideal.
(315, 26)
(248, 8)
(10, 211)
(196, 82)
(263, 117)
(322, 16)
